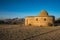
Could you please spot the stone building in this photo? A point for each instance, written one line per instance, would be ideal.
(43, 19)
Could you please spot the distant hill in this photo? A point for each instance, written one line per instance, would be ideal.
(12, 21)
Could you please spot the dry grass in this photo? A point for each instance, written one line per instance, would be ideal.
(17, 32)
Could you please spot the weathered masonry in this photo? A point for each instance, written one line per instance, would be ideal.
(43, 19)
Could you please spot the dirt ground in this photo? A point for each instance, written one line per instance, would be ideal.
(17, 32)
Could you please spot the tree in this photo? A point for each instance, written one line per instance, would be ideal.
(1, 22)
(57, 21)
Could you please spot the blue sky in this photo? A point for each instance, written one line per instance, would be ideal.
(22, 8)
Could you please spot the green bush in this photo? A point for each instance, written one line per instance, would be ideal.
(55, 25)
(1, 22)
(50, 24)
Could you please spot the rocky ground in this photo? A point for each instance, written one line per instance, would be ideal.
(17, 32)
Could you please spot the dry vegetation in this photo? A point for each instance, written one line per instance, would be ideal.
(17, 32)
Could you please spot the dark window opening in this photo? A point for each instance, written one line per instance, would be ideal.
(29, 24)
(36, 19)
(44, 19)
(41, 26)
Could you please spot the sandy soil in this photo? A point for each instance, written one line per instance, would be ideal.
(17, 32)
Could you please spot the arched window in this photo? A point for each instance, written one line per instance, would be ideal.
(37, 19)
(29, 24)
(44, 19)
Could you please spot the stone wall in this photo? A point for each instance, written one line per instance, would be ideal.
(39, 21)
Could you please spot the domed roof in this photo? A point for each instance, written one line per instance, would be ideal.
(43, 13)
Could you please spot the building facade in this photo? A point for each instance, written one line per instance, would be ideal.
(43, 19)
